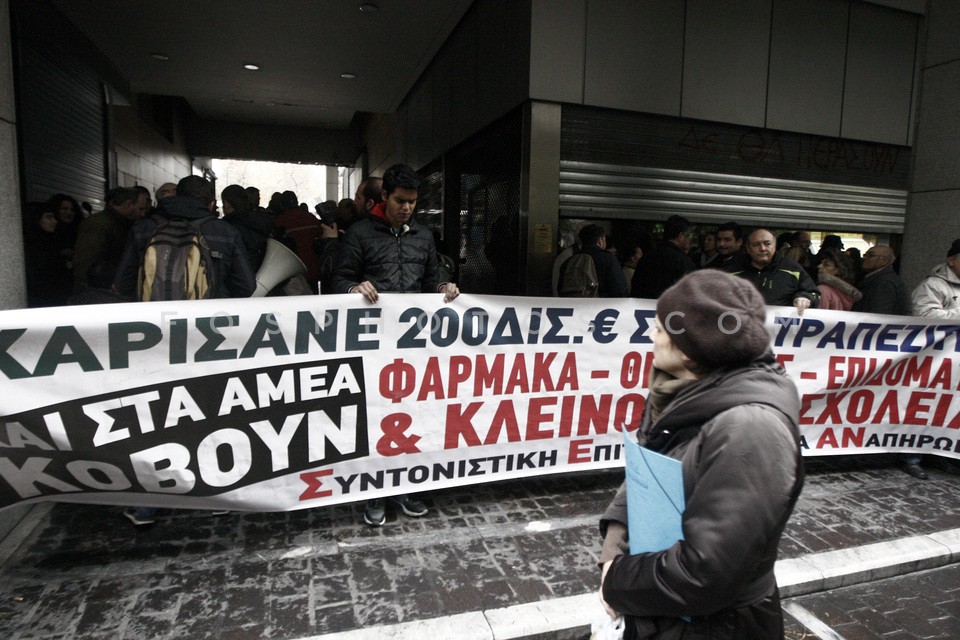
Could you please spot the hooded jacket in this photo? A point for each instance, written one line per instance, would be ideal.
(736, 435)
(233, 277)
(837, 294)
(937, 296)
(399, 262)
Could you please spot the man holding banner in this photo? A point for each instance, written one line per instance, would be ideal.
(388, 251)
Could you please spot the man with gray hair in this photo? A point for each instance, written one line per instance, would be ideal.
(883, 290)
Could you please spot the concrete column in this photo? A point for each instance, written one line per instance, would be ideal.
(333, 184)
(540, 193)
(933, 208)
(13, 291)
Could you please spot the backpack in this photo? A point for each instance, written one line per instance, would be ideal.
(177, 263)
(579, 277)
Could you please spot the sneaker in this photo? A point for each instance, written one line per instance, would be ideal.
(139, 516)
(912, 468)
(411, 507)
(375, 513)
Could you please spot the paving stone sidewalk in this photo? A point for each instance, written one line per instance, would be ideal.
(86, 573)
(924, 605)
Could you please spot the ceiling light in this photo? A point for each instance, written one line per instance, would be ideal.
(159, 56)
(369, 8)
(252, 67)
(348, 76)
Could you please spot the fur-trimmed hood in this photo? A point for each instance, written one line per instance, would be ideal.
(842, 286)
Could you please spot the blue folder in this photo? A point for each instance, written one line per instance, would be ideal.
(655, 499)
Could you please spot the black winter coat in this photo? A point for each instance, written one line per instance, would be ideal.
(254, 226)
(233, 276)
(735, 433)
(404, 263)
(884, 292)
(780, 282)
(658, 270)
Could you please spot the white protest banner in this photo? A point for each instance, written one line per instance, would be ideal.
(286, 403)
(872, 383)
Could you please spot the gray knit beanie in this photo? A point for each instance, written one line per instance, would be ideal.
(716, 319)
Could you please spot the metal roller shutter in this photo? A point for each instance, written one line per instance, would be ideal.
(60, 112)
(594, 190)
(625, 165)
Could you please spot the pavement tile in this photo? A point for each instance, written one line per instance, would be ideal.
(856, 631)
(289, 617)
(531, 590)
(495, 594)
(58, 610)
(374, 609)
(245, 603)
(245, 632)
(369, 574)
(148, 627)
(457, 597)
(943, 584)
(331, 589)
(947, 626)
(832, 611)
(101, 617)
(158, 603)
(338, 617)
(920, 626)
(328, 565)
(420, 604)
(282, 581)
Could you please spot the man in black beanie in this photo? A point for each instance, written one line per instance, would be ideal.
(720, 404)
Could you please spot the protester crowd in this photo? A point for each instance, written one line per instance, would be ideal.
(73, 256)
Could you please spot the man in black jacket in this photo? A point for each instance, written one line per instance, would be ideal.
(781, 281)
(233, 277)
(729, 245)
(883, 290)
(388, 251)
(610, 279)
(659, 269)
(232, 274)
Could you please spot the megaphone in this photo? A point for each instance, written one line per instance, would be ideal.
(279, 265)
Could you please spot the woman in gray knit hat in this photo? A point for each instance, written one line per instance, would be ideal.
(720, 404)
